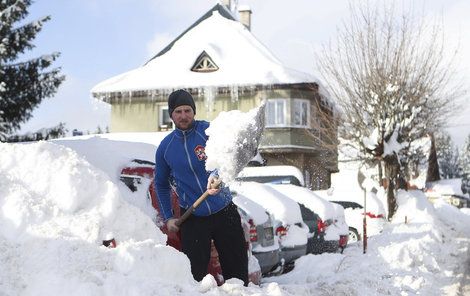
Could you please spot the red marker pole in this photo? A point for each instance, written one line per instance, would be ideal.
(360, 179)
(364, 239)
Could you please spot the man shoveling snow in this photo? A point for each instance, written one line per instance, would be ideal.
(181, 161)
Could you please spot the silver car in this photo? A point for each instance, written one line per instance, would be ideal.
(259, 223)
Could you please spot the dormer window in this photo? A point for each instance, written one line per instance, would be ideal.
(204, 63)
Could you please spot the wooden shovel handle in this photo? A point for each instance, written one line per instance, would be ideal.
(198, 201)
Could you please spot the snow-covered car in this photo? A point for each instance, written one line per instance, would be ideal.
(320, 238)
(138, 177)
(291, 231)
(264, 244)
(277, 174)
(327, 224)
(354, 213)
(448, 190)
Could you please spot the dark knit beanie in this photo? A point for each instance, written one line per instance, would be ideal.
(178, 98)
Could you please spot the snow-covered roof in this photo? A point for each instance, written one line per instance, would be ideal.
(241, 60)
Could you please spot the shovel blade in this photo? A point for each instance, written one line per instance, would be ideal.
(234, 138)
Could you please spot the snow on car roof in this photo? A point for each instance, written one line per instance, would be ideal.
(283, 208)
(254, 210)
(308, 198)
(273, 170)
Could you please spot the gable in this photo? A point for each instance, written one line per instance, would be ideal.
(204, 63)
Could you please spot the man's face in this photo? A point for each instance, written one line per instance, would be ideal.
(183, 116)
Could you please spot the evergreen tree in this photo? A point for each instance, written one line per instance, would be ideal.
(23, 84)
(447, 156)
(465, 165)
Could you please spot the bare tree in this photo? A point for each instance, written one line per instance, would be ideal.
(392, 80)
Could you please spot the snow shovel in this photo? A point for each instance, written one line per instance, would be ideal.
(242, 144)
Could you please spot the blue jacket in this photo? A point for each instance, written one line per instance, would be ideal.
(180, 160)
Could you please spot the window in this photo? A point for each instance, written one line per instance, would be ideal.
(204, 63)
(164, 118)
(300, 113)
(276, 110)
(281, 114)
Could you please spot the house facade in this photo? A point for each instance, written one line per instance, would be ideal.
(225, 67)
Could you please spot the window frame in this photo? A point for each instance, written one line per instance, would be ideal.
(283, 112)
(164, 125)
(295, 105)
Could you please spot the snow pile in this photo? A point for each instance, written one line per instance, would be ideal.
(56, 209)
(234, 137)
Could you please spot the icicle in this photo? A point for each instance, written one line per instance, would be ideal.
(209, 98)
(234, 93)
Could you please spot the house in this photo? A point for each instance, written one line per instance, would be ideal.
(225, 67)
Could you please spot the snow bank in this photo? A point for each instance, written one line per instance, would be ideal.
(55, 211)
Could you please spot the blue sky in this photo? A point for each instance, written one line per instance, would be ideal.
(102, 38)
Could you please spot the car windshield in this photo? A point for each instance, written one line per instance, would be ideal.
(349, 204)
(271, 179)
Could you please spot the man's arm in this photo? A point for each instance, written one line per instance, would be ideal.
(162, 184)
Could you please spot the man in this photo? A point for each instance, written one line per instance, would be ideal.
(180, 160)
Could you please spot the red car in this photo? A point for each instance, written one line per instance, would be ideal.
(132, 176)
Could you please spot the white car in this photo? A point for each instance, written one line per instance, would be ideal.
(354, 213)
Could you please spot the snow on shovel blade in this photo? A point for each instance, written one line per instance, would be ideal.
(234, 137)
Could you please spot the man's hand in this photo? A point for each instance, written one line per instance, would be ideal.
(213, 185)
(171, 225)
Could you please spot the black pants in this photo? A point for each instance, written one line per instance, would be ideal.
(224, 228)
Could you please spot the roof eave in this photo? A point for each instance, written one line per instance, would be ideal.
(109, 97)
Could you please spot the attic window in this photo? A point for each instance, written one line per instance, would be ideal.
(204, 63)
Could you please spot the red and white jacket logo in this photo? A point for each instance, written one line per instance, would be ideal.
(200, 152)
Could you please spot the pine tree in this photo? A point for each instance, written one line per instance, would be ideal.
(23, 84)
(465, 165)
(447, 156)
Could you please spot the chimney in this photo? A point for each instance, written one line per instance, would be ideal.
(226, 3)
(245, 16)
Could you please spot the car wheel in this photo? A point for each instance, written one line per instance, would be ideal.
(353, 235)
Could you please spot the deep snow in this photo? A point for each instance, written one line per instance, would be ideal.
(59, 200)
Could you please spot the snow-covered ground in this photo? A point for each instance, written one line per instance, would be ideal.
(59, 200)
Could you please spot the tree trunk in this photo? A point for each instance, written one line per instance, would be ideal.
(391, 173)
(433, 165)
(381, 175)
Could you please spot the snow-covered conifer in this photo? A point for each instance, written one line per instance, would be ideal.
(23, 84)
(465, 164)
(447, 156)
